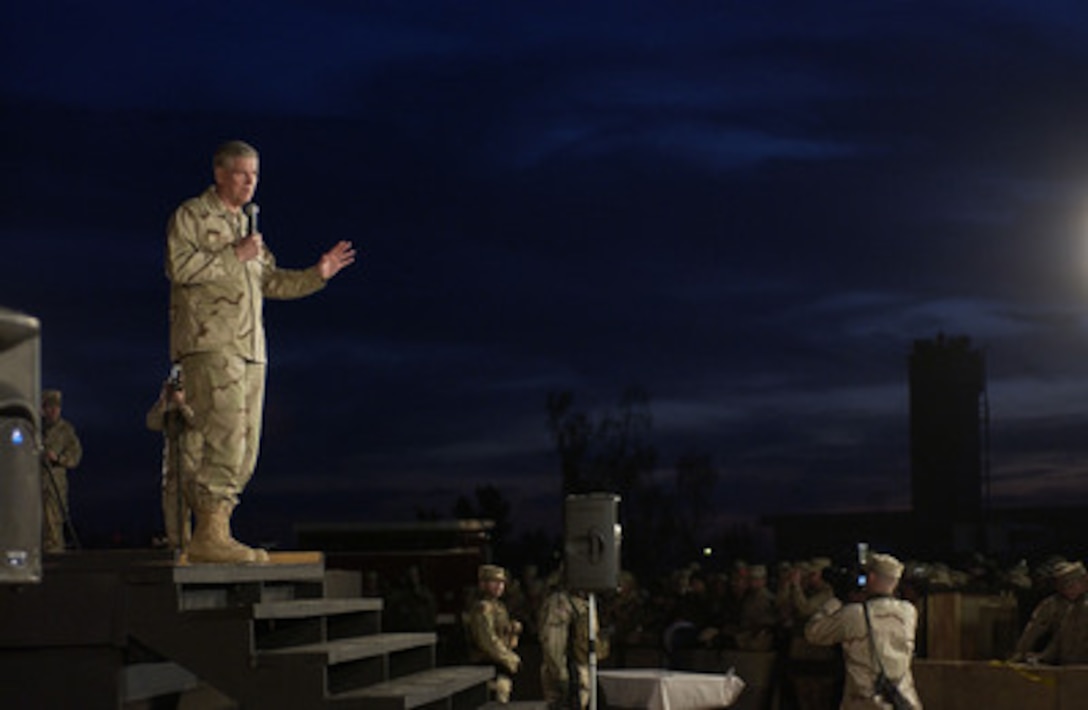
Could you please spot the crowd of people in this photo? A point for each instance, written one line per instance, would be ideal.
(831, 630)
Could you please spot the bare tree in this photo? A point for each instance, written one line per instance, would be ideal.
(613, 454)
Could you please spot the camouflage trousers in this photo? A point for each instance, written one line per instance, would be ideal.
(556, 686)
(226, 393)
(54, 503)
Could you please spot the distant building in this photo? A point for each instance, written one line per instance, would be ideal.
(947, 397)
(950, 515)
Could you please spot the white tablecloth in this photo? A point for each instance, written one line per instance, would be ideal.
(658, 689)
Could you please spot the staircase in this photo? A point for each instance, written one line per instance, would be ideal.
(267, 636)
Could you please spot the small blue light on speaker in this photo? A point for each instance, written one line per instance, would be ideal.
(17, 436)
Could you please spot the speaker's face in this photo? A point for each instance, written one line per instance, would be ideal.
(236, 180)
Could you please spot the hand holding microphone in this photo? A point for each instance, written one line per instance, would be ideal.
(250, 246)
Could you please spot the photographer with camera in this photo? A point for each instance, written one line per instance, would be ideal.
(877, 634)
(180, 453)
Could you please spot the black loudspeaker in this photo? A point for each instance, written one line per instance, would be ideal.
(592, 547)
(20, 445)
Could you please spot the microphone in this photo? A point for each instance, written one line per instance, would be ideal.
(251, 209)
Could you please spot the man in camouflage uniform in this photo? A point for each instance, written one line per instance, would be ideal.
(758, 615)
(181, 450)
(892, 624)
(1045, 618)
(492, 636)
(810, 668)
(627, 615)
(61, 450)
(564, 644)
(1069, 645)
(220, 272)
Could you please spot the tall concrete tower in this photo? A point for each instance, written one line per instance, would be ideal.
(947, 395)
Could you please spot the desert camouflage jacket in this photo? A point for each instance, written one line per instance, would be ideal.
(61, 439)
(216, 300)
(893, 626)
(491, 635)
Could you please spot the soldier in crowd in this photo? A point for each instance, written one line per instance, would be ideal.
(491, 635)
(627, 615)
(758, 615)
(181, 447)
(880, 623)
(810, 668)
(565, 624)
(1045, 617)
(691, 623)
(61, 451)
(220, 272)
(729, 604)
(1070, 642)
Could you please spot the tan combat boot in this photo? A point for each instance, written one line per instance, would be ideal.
(212, 540)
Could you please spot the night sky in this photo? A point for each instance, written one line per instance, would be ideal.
(750, 209)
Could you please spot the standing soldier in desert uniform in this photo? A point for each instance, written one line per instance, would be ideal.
(492, 635)
(564, 644)
(61, 451)
(181, 450)
(1046, 615)
(811, 668)
(220, 272)
(1069, 645)
(758, 615)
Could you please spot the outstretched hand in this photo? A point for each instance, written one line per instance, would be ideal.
(341, 255)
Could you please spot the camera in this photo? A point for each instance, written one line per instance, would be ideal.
(846, 582)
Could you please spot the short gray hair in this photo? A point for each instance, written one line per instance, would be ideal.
(230, 150)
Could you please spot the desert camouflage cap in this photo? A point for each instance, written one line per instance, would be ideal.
(1065, 571)
(885, 565)
(488, 573)
(51, 397)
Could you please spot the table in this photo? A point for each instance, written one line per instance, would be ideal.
(659, 689)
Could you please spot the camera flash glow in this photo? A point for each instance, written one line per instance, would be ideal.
(707, 552)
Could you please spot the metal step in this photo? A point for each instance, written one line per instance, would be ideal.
(352, 649)
(307, 621)
(420, 689)
(299, 608)
(347, 664)
(142, 681)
